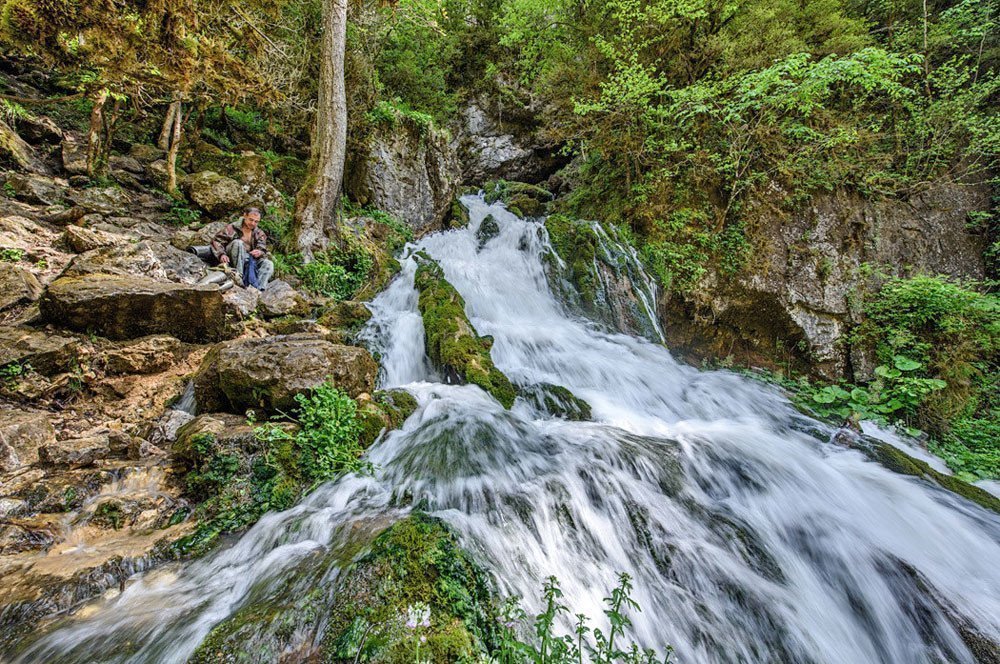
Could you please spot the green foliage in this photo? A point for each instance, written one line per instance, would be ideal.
(182, 215)
(327, 440)
(12, 372)
(399, 231)
(895, 395)
(394, 112)
(549, 647)
(270, 469)
(8, 255)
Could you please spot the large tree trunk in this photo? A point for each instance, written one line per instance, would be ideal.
(317, 207)
(94, 147)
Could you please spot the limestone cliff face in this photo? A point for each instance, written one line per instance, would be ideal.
(407, 170)
(810, 268)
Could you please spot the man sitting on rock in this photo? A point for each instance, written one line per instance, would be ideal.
(244, 246)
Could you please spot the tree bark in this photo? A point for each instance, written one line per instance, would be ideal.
(175, 142)
(94, 150)
(168, 126)
(318, 205)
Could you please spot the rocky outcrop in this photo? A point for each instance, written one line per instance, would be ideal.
(127, 307)
(810, 268)
(503, 143)
(143, 356)
(408, 170)
(268, 373)
(280, 299)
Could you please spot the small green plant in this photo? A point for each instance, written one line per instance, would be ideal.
(182, 215)
(337, 273)
(584, 644)
(11, 373)
(327, 441)
(9, 191)
(11, 255)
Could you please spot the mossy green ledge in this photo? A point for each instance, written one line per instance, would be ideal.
(452, 343)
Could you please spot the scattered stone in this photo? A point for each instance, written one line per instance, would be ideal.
(165, 430)
(128, 164)
(74, 153)
(73, 215)
(488, 229)
(82, 240)
(15, 147)
(17, 285)
(145, 356)
(45, 353)
(140, 448)
(280, 299)
(75, 453)
(229, 431)
(22, 433)
(20, 232)
(36, 189)
(242, 302)
(111, 201)
(558, 401)
(37, 129)
(11, 507)
(159, 173)
(145, 153)
(269, 372)
(127, 307)
(215, 194)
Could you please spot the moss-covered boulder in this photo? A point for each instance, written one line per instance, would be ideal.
(900, 462)
(521, 198)
(557, 401)
(452, 343)
(416, 561)
(360, 615)
(383, 411)
(348, 315)
(488, 229)
(576, 244)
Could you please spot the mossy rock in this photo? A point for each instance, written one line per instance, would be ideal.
(417, 560)
(347, 315)
(576, 244)
(385, 411)
(900, 462)
(452, 343)
(488, 229)
(458, 215)
(521, 198)
(557, 401)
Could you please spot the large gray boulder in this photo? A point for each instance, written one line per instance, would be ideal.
(267, 373)
(409, 171)
(36, 189)
(215, 194)
(127, 307)
(157, 260)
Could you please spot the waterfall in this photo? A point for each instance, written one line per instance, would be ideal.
(750, 536)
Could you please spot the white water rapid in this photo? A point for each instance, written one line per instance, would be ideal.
(750, 536)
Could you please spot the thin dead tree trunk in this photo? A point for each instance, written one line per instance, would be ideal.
(175, 142)
(317, 208)
(168, 125)
(94, 151)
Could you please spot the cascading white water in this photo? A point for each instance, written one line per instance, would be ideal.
(749, 536)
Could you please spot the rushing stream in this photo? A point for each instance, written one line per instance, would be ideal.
(750, 536)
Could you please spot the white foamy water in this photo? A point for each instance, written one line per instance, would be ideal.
(749, 536)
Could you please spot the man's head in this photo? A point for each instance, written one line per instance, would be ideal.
(251, 218)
